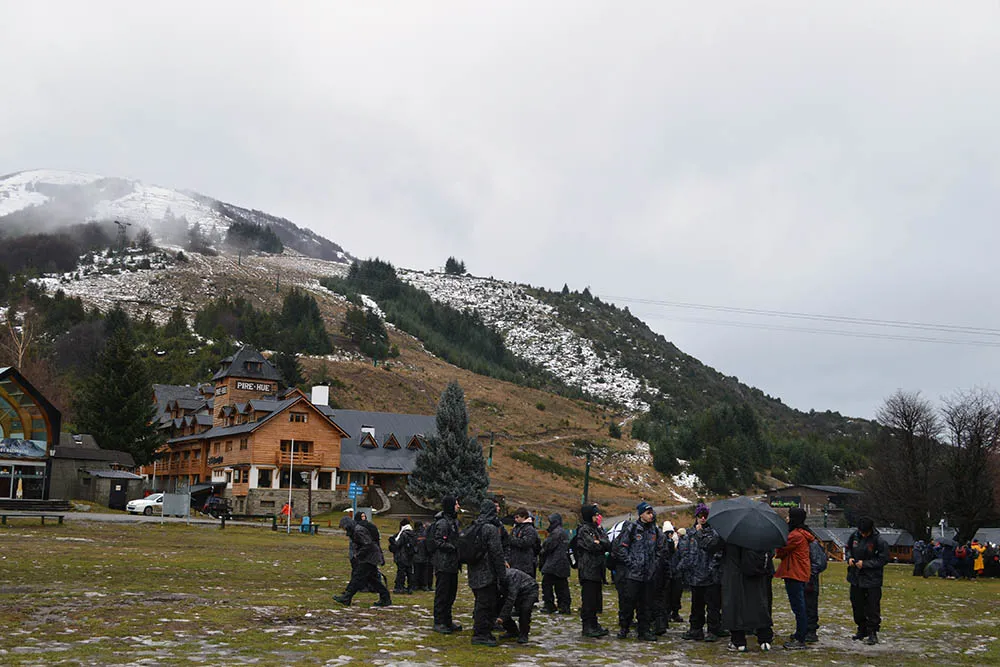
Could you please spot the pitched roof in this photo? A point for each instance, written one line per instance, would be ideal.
(166, 393)
(239, 429)
(244, 364)
(355, 457)
(113, 474)
(988, 535)
(94, 454)
(833, 490)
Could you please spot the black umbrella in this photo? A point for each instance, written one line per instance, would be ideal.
(946, 542)
(748, 524)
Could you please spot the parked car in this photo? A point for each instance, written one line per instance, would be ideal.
(218, 507)
(148, 505)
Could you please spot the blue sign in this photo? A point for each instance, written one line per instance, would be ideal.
(354, 490)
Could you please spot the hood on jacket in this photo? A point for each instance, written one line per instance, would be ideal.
(555, 521)
(487, 510)
(448, 506)
(796, 518)
(588, 512)
(347, 524)
(403, 529)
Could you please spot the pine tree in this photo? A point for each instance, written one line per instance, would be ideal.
(452, 464)
(289, 366)
(114, 404)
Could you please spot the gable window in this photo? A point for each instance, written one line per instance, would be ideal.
(298, 417)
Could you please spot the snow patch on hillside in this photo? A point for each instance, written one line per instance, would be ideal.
(532, 331)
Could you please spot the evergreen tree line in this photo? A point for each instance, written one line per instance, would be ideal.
(934, 462)
(53, 252)
(459, 337)
(253, 236)
(297, 328)
(727, 446)
(366, 330)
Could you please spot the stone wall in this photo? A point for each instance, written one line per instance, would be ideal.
(270, 501)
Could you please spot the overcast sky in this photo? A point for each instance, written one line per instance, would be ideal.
(829, 158)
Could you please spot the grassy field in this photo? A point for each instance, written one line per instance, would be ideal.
(144, 594)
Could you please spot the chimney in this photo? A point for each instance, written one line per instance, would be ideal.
(321, 395)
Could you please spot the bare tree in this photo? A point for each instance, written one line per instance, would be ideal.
(20, 337)
(972, 424)
(902, 487)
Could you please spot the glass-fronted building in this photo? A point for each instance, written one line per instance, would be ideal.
(29, 431)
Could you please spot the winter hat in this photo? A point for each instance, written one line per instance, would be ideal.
(682, 531)
(588, 512)
(865, 524)
(643, 507)
(796, 517)
(701, 509)
(668, 527)
(448, 505)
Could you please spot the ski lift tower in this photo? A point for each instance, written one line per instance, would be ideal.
(122, 235)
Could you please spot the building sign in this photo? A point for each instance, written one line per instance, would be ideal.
(221, 391)
(22, 448)
(253, 386)
(786, 501)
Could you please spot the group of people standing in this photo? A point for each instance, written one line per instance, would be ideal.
(650, 566)
(950, 560)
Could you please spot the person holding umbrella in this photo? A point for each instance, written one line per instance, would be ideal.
(701, 564)
(796, 570)
(867, 554)
(750, 530)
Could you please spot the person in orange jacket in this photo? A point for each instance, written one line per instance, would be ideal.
(795, 569)
(980, 563)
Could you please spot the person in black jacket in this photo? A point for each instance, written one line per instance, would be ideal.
(423, 571)
(519, 592)
(368, 555)
(487, 574)
(701, 560)
(403, 545)
(555, 567)
(444, 557)
(523, 544)
(746, 590)
(867, 553)
(590, 545)
(638, 550)
(663, 582)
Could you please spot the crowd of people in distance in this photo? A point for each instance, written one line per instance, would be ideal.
(650, 565)
(948, 559)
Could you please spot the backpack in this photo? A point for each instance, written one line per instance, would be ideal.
(392, 544)
(754, 563)
(961, 552)
(471, 545)
(817, 558)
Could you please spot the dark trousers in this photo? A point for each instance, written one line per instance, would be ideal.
(710, 598)
(404, 578)
(560, 587)
(866, 603)
(421, 580)
(661, 603)
(366, 575)
(918, 569)
(591, 602)
(635, 597)
(812, 603)
(796, 591)
(523, 625)
(484, 611)
(676, 590)
(444, 597)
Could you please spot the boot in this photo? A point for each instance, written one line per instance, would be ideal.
(488, 640)
(383, 603)
(676, 618)
(859, 635)
(622, 633)
(692, 635)
(811, 637)
(443, 629)
(872, 638)
(343, 599)
(596, 631)
(549, 608)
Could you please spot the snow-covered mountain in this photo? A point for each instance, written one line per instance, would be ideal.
(47, 199)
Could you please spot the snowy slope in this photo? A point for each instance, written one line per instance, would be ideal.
(46, 199)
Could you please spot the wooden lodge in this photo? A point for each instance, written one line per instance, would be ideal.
(250, 442)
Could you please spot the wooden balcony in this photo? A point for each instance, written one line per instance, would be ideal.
(301, 460)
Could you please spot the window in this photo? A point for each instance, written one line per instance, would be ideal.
(215, 448)
(196, 455)
(267, 503)
(243, 443)
(186, 455)
(229, 445)
(325, 480)
(264, 479)
(298, 417)
(246, 475)
(301, 446)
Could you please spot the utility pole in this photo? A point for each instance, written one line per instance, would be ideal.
(489, 461)
(586, 481)
(291, 471)
(122, 236)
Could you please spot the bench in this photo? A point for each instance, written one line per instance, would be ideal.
(21, 515)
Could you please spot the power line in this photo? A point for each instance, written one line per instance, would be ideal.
(843, 319)
(836, 332)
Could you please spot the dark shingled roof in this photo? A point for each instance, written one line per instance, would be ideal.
(237, 366)
(165, 393)
(354, 457)
(832, 490)
(113, 474)
(93, 454)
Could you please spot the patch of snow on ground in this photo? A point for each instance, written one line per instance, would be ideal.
(532, 332)
(687, 480)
